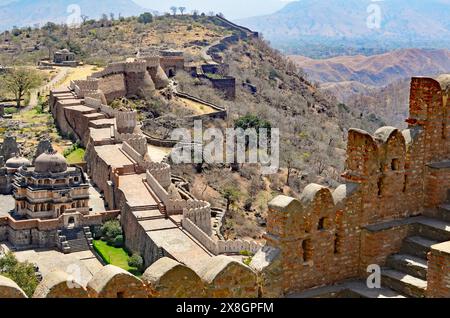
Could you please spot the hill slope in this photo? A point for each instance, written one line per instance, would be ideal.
(30, 12)
(337, 23)
(379, 83)
(376, 70)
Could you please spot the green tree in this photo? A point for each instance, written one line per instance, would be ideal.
(19, 82)
(145, 18)
(22, 273)
(231, 194)
(252, 121)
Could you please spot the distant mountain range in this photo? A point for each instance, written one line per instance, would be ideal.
(379, 83)
(324, 28)
(376, 70)
(31, 12)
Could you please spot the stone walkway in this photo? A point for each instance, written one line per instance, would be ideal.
(7, 204)
(81, 265)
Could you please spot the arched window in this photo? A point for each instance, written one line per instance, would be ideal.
(323, 223)
(307, 250)
(395, 165)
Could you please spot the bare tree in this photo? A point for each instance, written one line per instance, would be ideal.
(182, 10)
(20, 81)
(84, 18)
(174, 10)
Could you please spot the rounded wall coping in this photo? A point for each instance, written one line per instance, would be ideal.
(53, 280)
(385, 133)
(157, 270)
(104, 276)
(215, 266)
(411, 134)
(344, 191)
(11, 288)
(311, 191)
(281, 203)
(444, 81)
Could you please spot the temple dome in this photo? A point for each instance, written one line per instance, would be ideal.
(50, 161)
(17, 162)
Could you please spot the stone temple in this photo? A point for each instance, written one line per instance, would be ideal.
(50, 188)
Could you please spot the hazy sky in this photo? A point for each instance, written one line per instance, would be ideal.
(232, 9)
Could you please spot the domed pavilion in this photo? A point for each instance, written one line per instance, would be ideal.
(50, 188)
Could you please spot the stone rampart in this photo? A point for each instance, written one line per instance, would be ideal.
(328, 236)
(219, 277)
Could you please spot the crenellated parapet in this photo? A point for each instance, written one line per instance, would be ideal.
(219, 276)
(392, 175)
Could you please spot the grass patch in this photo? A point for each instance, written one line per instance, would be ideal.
(215, 76)
(115, 256)
(76, 156)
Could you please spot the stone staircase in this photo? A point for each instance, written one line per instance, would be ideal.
(75, 240)
(406, 272)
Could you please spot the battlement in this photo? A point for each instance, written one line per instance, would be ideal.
(212, 279)
(388, 178)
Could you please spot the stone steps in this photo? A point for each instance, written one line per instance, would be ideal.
(443, 212)
(78, 245)
(360, 289)
(434, 229)
(417, 246)
(403, 283)
(408, 264)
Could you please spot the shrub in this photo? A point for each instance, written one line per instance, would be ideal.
(118, 241)
(110, 230)
(145, 18)
(136, 261)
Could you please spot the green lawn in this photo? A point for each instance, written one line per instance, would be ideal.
(76, 156)
(114, 256)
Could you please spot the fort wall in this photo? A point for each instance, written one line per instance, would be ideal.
(216, 278)
(325, 237)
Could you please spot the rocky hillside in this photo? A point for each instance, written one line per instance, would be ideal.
(376, 70)
(269, 87)
(375, 84)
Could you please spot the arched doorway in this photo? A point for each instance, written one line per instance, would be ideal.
(71, 223)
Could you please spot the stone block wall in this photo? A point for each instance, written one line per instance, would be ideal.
(439, 271)
(325, 237)
(113, 86)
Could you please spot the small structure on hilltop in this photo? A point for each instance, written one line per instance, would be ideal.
(62, 57)
(65, 57)
(50, 188)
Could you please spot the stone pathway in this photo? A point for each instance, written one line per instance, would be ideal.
(82, 265)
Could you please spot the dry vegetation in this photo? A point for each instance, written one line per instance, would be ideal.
(100, 42)
(313, 130)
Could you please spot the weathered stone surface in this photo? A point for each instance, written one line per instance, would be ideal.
(59, 284)
(114, 282)
(9, 289)
(224, 277)
(167, 278)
